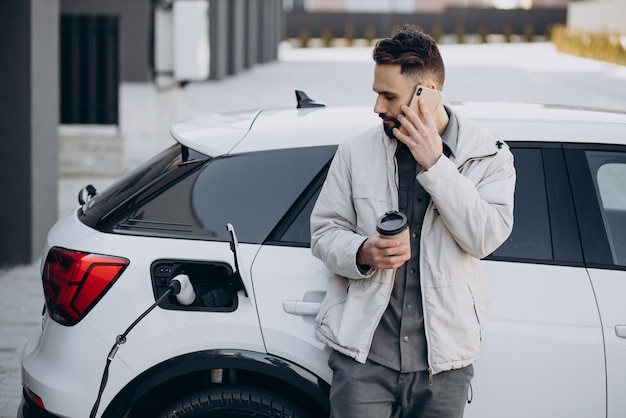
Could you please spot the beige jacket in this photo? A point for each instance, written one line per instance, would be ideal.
(469, 216)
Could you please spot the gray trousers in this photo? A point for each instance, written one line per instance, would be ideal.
(373, 391)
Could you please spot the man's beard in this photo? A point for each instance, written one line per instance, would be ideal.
(387, 126)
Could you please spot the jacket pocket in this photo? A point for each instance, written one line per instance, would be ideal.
(453, 324)
(349, 320)
(329, 322)
(481, 303)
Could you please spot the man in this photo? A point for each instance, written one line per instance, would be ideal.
(405, 324)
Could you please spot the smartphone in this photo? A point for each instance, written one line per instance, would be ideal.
(432, 97)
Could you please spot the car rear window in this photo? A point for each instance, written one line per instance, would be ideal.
(251, 191)
(171, 162)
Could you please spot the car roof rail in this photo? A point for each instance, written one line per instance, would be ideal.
(304, 101)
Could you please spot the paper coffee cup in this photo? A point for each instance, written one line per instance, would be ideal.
(394, 225)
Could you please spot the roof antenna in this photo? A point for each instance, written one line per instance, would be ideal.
(305, 101)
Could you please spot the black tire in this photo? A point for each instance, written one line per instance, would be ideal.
(233, 402)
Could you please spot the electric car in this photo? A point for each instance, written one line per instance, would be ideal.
(188, 288)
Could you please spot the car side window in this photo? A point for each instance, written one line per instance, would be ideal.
(531, 236)
(299, 232)
(608, 171)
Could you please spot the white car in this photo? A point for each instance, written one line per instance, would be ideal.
(228, 208)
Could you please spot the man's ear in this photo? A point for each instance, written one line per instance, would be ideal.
(430, 84)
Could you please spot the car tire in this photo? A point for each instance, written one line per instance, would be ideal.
(233, 402)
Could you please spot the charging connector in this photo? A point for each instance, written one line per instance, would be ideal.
(185, 294)
(181, 287)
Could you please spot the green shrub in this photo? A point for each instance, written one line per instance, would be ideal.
(436, 32)
(507, 31)
(460, 34)
(370, 34)
(529, 33)
(327, 37)
(304, 35)
(483, 32)
(349, 33)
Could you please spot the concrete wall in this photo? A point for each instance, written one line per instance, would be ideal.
(408, 6)
(235, 44)
(471, 19)
(135, 27)
(243, 33)
(29, 117)
(598, 16)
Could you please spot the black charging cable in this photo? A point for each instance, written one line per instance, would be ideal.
(173, 288)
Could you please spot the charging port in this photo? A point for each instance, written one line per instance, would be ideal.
(214, 283)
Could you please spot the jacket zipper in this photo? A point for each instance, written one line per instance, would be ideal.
(429, 209)
(429, 369)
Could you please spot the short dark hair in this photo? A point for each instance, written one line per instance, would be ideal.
(415, 51)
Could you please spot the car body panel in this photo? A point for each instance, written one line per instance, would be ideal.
(598, 176)
(64, 366)
(554, 131)
(323, 126)
(539, 337)
(73, 358)
(307, 127)
(298, 280)
(225, 131)
(521, 321)
(610, 287)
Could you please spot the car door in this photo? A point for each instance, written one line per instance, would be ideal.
(542, 352)
(543, 337)
(293, 286)
(290, 283)
(599, 181)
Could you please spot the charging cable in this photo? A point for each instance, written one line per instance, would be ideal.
(179, 286)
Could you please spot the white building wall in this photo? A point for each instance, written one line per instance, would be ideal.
(436, 6)
(550, 3)
(409, 6)
(379, 6)
(390, 6)
(598, 16)
(387, 6)
(327, 5)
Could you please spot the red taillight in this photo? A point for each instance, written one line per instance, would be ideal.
(36, 399)
(73, 282)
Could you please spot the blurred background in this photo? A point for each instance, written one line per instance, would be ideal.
(67, 65)
(90, 88)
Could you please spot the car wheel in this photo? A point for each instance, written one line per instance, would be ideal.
(233, 402)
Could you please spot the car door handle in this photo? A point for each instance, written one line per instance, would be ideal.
(620, 330)
(300, 307)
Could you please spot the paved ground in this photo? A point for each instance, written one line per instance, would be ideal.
(337, 76)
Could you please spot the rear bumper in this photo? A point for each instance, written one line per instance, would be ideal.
(28, 409)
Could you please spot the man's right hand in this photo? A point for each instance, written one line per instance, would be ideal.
(382, 253)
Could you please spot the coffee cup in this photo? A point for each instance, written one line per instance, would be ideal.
(394, 225)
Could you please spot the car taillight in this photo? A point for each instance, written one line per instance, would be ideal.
(73, 282)
(36, 399)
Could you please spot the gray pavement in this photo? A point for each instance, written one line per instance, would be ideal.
(337, 76)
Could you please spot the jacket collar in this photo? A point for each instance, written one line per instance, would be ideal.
(470, 142)
(450, 134)
(473, 141)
